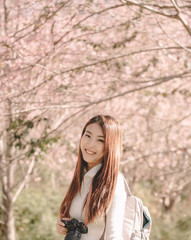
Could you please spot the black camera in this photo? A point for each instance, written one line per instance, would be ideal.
(75, 229)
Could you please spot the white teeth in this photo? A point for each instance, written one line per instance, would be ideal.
(89, 152)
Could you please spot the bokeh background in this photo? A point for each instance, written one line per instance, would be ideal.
(62, 62)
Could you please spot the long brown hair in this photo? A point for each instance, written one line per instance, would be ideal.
(104, 182)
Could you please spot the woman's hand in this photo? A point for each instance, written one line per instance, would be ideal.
(61, 229)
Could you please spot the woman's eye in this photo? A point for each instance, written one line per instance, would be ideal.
(87, 135)
(100, 140)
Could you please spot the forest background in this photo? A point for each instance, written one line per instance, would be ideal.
(61, 62)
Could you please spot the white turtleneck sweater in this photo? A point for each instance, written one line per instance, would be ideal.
(115, 214)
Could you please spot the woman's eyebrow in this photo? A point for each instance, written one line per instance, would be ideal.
(91, 133)
(101, 136)
(88, 131)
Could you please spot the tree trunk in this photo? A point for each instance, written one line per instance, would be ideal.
(8, 216)
(7, 168)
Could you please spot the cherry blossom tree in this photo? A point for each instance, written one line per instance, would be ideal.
(63, 61)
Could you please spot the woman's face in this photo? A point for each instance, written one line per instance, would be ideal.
(92, 145)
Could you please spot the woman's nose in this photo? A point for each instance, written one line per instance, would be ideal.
(91, 143)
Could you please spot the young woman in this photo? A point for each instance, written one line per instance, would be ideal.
(97, 195)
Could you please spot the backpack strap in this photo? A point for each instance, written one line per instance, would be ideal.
(126, 185)
(147, 221)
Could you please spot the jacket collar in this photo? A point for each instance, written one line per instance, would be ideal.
(92, 172)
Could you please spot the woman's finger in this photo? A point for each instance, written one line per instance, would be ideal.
(61, 227)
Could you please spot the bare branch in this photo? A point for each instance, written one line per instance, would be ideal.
(175, 41)
(177, 16)
(34, 25)
(156, 82)
(99, 12)
(162, 80)
(180, 17)
(145, 156)
(120, 56)
(90, 65)
(5, 15)
(30, 169)
(149, 8)
(170, 173)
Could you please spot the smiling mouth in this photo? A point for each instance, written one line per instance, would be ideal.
(89, 152)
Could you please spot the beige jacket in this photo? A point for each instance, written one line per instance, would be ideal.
(115, 215)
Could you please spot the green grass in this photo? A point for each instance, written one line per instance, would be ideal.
(36, 212)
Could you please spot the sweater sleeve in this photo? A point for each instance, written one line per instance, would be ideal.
(115, 214)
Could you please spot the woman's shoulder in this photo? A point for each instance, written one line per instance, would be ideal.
(120, 178)
(122, 185)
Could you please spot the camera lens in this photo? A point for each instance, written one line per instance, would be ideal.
(75, 229)
(73, 235)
